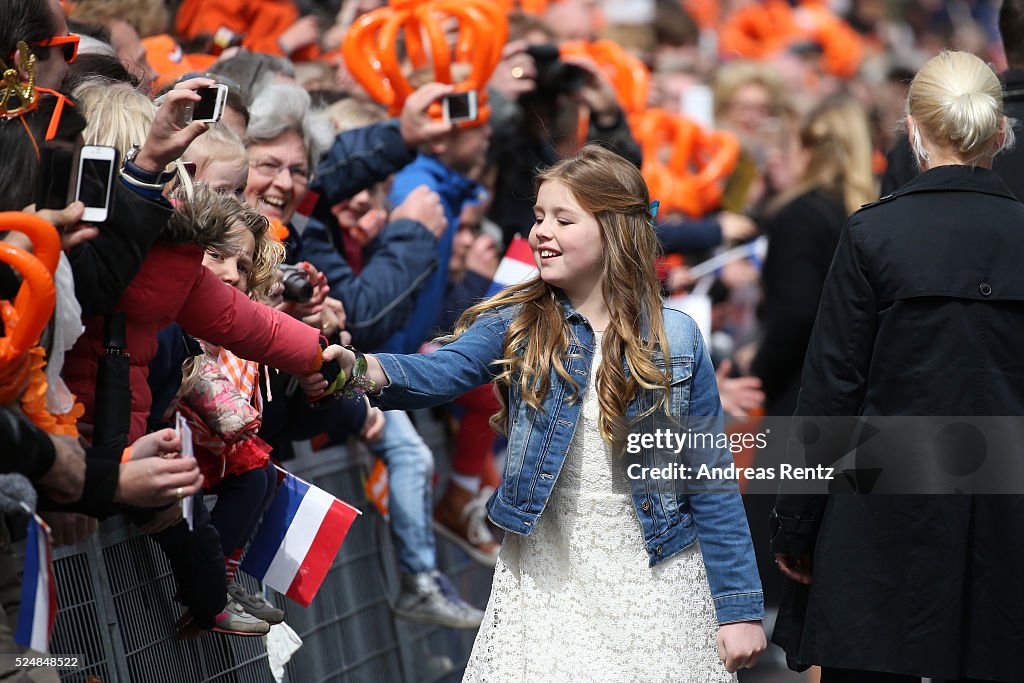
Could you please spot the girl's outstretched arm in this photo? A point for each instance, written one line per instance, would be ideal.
(410, 381)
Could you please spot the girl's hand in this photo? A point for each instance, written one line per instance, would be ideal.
(740, 644)
(796, 568)
(314, 385)
(373, 428)
(165, 443)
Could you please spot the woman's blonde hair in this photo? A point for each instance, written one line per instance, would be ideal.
(612, 190)
(218, 143)
(956, 102)
(836, 136)
(117, 115)
(214, 218)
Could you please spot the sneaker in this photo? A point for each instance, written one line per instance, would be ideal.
(430, 598)
(233, 620)
(256, 605)
(461, 517)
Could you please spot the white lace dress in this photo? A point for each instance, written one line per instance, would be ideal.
(576, 600)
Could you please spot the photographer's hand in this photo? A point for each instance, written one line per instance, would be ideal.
(516, 73)
(168, 139)
(415, 123)
(597, 93)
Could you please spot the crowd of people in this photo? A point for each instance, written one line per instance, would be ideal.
(323, 255)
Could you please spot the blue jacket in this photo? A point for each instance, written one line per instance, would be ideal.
(454, 190)
(379, 300)
(538, 442)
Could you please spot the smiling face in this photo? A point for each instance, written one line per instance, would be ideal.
(566, 242)
(278, 176)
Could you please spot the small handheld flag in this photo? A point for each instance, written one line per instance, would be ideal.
(298, 540)
(38, 589)
(516, 266)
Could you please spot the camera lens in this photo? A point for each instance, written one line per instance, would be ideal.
(296, 285)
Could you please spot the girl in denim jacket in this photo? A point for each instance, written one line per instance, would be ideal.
(608, 583)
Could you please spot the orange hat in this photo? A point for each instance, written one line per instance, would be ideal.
(170, 62)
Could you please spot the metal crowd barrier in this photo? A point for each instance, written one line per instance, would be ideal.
(117, 612)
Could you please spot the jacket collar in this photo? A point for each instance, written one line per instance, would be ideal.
(956, 178)
(574, 316)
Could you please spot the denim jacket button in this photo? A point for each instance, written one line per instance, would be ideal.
(657, 551)
(985, 289)
(645, 506)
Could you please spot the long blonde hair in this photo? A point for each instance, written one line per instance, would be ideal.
(837, 138)
(612, 190)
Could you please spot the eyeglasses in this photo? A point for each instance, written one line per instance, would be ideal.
(269, 168)
(68, 43)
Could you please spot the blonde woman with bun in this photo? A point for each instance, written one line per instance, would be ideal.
(921, 314)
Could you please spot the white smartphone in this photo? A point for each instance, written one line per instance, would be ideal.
(96, 181)
(460, 106)
(210, 108)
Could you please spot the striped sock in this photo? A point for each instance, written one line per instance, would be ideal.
(231, 563)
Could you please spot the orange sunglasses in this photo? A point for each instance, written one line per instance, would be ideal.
(68, 43)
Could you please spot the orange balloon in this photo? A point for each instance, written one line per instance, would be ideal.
(33, 307)
(370, 48)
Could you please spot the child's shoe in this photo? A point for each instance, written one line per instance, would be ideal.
(256, 605)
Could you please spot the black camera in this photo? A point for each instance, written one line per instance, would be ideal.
(555, 77)
(297, 286)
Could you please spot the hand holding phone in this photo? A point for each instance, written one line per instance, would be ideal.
(459, 107)
(168, 137)
(210, 106)
(96, 181)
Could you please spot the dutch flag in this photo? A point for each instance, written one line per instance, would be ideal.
(298, 540)
(38, 590)
(517, 266)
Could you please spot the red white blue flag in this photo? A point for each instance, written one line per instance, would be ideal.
(517, 266)
(38, 590)
(298, 540)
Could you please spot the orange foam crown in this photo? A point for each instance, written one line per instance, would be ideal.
(371, 47)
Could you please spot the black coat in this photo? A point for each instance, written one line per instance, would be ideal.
(802, 235)
(922, 314)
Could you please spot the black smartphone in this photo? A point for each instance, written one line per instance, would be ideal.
(56, 181)
(459, 107)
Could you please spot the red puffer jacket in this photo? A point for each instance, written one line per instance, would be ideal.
(173, 285)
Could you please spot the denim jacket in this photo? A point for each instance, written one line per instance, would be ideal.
(539, 442)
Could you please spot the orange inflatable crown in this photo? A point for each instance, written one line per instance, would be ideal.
(371, 47)
(758, 31)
